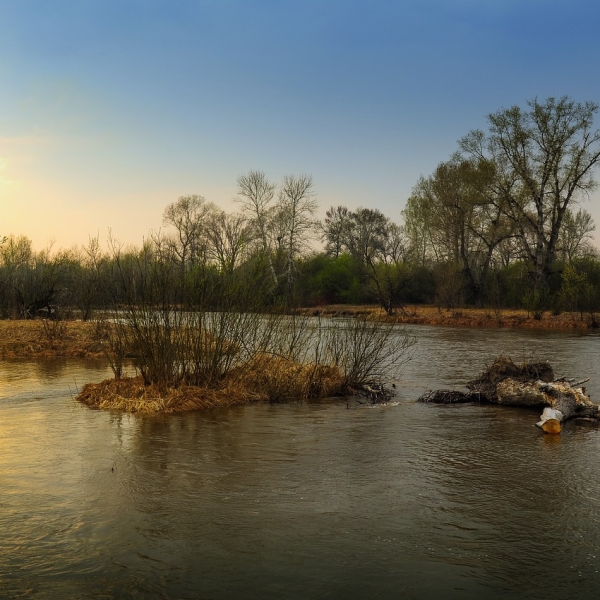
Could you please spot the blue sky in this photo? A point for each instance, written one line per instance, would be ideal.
(110, 110)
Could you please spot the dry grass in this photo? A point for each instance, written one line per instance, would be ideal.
(129, 394)
(459, 317)
(49, 339)
(280, 379)
(34, 339)
(267, 378)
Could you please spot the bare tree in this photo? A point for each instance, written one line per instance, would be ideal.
(255, 194)
(229, 235)
(87, 288)
(296, 206)
(395, 249)
(188, 215)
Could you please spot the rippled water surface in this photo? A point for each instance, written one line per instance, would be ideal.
(302, 501)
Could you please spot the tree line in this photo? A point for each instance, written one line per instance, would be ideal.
(498, 224)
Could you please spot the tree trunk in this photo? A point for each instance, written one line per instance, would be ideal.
(529, 385)
(561, 401)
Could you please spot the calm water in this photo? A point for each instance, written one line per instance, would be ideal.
(302, 501)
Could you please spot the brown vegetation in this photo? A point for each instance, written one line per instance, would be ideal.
(267, 378)
(48, 339)
(457, 317)
(130, 394)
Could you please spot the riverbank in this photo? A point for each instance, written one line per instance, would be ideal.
(49, 339)
(457, 317)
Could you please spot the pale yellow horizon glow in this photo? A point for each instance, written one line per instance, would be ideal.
(49, 210)
(41, 200)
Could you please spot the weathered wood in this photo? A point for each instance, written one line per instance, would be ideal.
(448, 397)
(504, 368)
(564, 401)
(551, 420)
(376, 392)
(529, 385)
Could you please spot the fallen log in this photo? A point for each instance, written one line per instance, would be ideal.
(560, 400)
(528, 385)
(375, 392)
(503, 368)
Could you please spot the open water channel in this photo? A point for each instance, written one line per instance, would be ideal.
(311, 500)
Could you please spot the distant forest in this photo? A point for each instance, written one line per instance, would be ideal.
(498, 225)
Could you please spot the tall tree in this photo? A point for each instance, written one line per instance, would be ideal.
(336, 228)
(188, 216)
(544, 157)
(454, 210)
(367, 234)
(297, 206)
(229, 236)
(255, 194)
(576, 235)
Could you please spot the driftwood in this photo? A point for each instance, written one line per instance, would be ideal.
(529, 385)
(375, 392)
(448, 397)
(561, 401)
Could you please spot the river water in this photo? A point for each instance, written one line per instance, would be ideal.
(313, 500)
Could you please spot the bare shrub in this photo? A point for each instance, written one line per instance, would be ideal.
(220, 337)
(366, 351)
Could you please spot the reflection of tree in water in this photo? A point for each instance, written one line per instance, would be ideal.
(51, 368)
(78, 369)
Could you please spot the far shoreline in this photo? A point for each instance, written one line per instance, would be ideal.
(457, 317)
(37, 338)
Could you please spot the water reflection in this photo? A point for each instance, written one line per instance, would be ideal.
(301, 501)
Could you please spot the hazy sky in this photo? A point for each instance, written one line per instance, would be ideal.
(110, 110)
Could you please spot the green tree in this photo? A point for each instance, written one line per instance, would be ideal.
(544, 159)
(336, 228)
(456, 215)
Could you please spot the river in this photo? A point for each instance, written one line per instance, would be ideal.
(313, 500)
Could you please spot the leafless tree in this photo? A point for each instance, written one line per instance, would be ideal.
(229, 235)
(296, 206)
(188, 216)
(255, 194)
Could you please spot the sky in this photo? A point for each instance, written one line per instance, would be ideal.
(111, 110)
